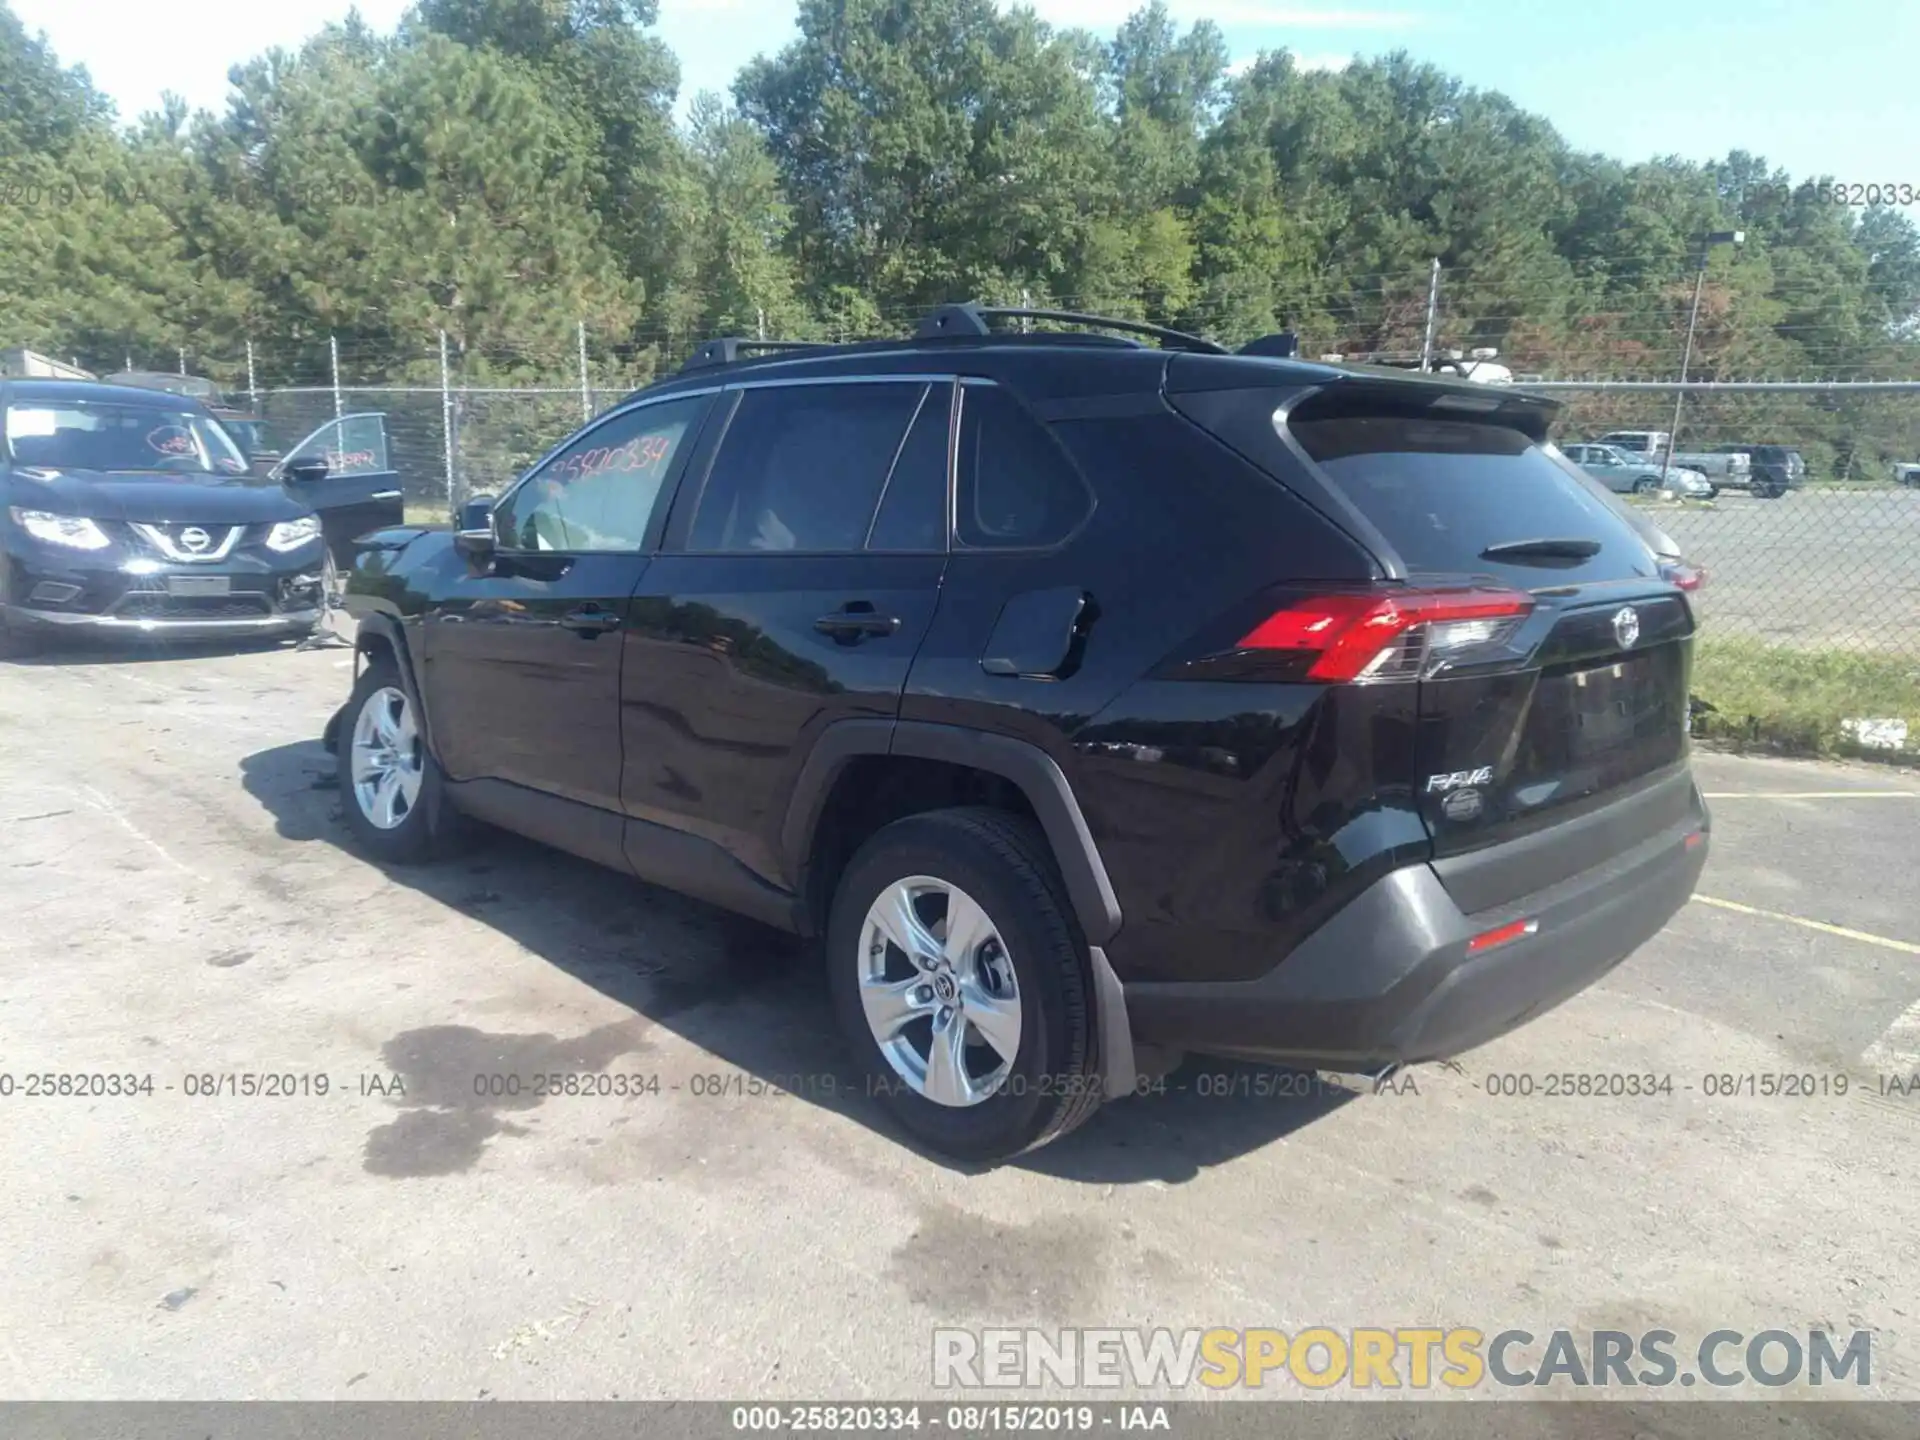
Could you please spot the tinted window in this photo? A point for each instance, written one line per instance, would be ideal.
(600, 492)
(1016, 485)
(802, 466)
(1442, 491)
(913, 511)
(351, 445)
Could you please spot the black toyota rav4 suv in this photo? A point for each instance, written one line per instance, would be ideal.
(1090, 701)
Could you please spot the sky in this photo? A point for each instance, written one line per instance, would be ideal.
(1814, 86)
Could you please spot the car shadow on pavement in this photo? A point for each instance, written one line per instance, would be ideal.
(756, 999)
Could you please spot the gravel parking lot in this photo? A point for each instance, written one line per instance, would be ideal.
(1815, 568)
(180, 905)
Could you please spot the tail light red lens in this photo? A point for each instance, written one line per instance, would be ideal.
(1403, 635)
(1686, 576)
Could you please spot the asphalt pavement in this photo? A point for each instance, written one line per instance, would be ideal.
(181, 905)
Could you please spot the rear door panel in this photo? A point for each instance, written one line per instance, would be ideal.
(799, 579)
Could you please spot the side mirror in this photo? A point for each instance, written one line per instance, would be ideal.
(473, 529)
(306, 470)
(475, 514)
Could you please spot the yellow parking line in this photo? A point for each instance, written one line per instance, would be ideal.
(1811, 794)
(1905, 947)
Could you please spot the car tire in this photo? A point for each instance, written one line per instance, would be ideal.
(1768, 491)
(993, 1107)
(398, 812)
(1646, 485)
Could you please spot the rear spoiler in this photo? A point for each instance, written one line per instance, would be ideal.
(1422, 396)
(1307, 391)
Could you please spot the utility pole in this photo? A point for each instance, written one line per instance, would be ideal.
(1707, 242)
(586, 393)
(446, 420)
(1433, 316)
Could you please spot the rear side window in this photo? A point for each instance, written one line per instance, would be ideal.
(913, 509)
(802, 466)
(1017, 488)
(1444, 491)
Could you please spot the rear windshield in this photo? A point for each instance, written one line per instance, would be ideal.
(1443, 491)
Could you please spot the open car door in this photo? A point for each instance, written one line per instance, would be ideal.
(360, 491)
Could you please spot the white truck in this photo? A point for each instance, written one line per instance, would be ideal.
(1732, 471)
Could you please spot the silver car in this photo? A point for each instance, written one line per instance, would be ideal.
(1628, 474)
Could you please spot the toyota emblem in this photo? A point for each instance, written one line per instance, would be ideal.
(196, 539)
(1626, 626)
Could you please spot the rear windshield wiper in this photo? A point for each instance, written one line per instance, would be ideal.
(1569, 548)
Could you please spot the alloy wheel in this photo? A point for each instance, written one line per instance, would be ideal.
(387, 759)
(939, 991)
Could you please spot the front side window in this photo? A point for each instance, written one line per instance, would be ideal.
(802, 468)
(600, 492)
(351, 445)
(84, 435)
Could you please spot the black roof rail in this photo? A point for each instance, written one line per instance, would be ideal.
(1283, 346)
(971, 319)
(734, 349)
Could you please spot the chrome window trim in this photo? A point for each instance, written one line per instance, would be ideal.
(903, 377)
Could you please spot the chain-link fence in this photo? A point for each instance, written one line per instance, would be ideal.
(1833, 564)
(446, 445)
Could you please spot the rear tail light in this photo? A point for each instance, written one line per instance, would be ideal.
(1687, 577)
(1400, 636)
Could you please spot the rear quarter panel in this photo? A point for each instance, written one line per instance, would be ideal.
(1184, 530)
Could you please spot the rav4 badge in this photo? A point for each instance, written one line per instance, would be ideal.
(1458, 779)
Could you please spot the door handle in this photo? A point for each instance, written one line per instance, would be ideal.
(589, 621)
(855, 622)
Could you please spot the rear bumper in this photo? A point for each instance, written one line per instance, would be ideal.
(1391, 980)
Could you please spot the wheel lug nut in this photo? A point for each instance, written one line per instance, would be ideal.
(924, 994)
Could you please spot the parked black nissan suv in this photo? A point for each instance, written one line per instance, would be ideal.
(1090, 701)
(127, 510)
